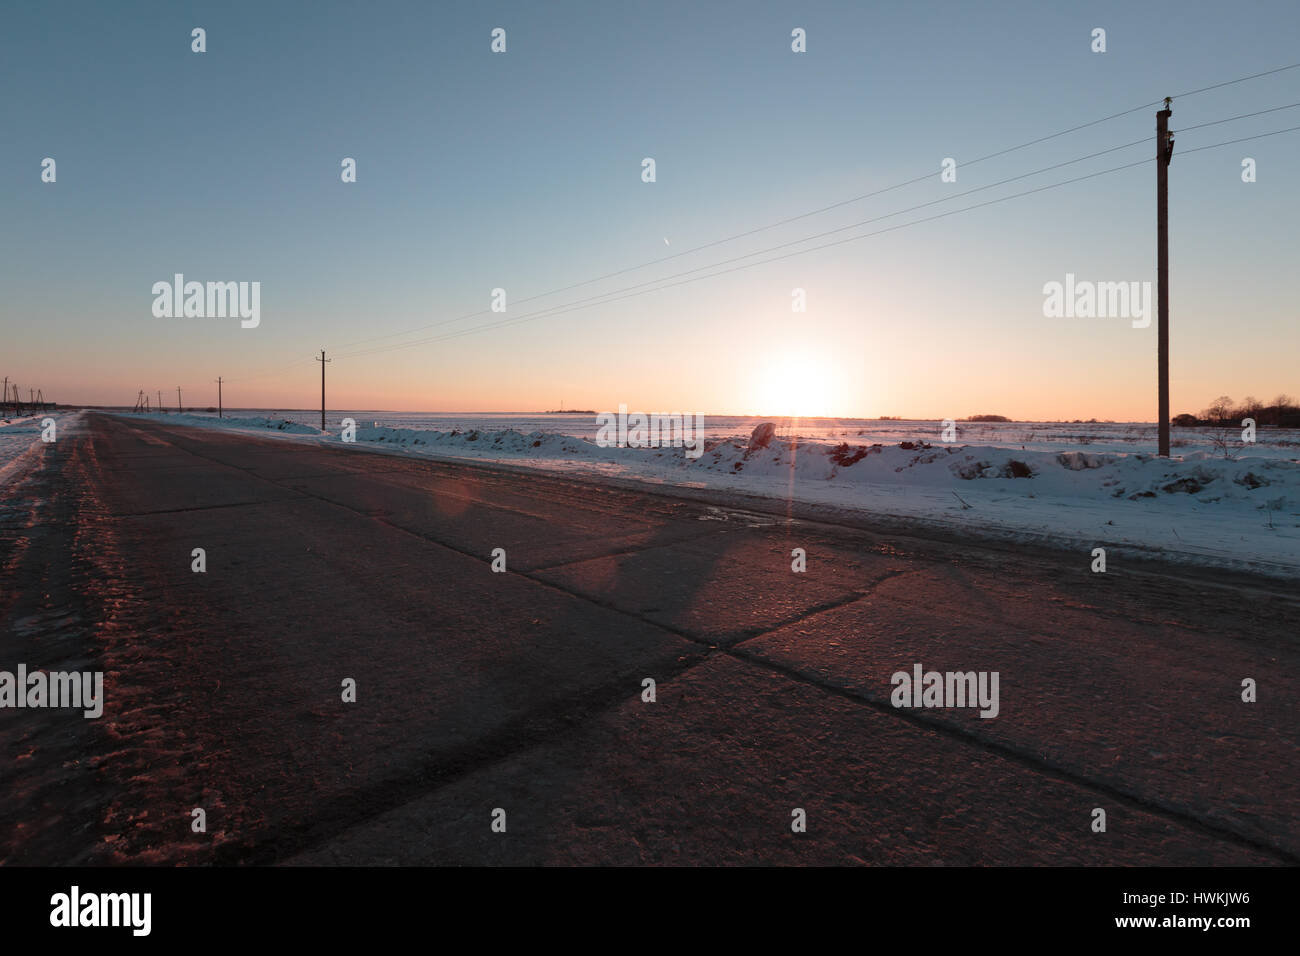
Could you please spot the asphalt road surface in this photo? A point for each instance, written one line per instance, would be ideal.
(518, 696)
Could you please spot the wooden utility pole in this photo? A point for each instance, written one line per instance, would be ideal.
(323, 360)
(179, 406)
(160, 404)
(1164, 150)
(4, 402)
(219, 413)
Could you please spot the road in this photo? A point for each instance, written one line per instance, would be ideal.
(522, 691)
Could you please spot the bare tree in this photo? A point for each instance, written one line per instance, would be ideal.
(1220, 409)
(1219, 415)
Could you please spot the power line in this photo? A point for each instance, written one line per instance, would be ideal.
(749, 232)
(796, 218)
(745, 234)
(835, 205)
(1003, 182)
(1216, 86)
(1231, 119)
(819, 235)
(615, 297)
(1244, 139)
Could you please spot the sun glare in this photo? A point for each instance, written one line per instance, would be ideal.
(796, 385)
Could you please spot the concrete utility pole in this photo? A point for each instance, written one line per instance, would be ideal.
(219, 413)
(179, 407)
(1164, 150)
(323, 361)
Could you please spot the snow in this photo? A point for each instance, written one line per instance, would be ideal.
(1241, 512)
(261, 423)
(20, 440)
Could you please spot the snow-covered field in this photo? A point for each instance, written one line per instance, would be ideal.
(1078, 485)
(1135, 437)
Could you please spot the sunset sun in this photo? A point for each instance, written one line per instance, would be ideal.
(796, 384)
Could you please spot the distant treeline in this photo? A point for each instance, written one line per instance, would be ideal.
(987, 418)
(1282, 412)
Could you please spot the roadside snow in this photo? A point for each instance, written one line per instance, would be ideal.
(282, 425)
(1242, 513)
(20, 440)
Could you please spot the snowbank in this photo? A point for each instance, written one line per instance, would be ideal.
(284, 425)
(20, 440)
(1242, 513)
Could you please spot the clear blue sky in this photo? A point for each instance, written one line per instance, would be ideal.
(522, 171)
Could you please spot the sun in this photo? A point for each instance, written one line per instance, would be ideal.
(795, 385)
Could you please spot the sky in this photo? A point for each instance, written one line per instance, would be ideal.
(523, 171)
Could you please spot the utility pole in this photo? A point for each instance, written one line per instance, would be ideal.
(179, 407)
(160, 404)
(219, 413)
(1164, 150)
(4, 402)
(323, 361)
